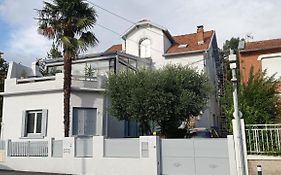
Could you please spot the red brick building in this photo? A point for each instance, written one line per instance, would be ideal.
(260, 55)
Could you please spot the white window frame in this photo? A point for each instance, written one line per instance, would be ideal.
(144, 50)
(43, 132)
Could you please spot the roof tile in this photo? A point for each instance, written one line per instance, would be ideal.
(114, 48)
(264, 44)
(189, 39)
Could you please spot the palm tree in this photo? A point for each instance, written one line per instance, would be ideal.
(68, 22)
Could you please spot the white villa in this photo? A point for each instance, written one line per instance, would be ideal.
(33, 104)
(32, 130)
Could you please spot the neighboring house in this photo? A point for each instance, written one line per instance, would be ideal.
(33, 104)
(199, 50)
(260, 56)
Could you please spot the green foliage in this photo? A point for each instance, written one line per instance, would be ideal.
(69, 24)
(54, 52)
(231, 44)
(89, 71)
(257, 100)
(164, 97)
(224, 53)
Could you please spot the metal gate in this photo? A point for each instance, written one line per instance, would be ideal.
(195, 157)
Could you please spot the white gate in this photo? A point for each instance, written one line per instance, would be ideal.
(195, 157)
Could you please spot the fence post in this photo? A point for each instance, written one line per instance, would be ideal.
(8, 148)
(98, 147)
(150, 150)
(28, 149)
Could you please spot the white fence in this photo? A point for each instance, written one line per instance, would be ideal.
(28, 149)
(84, 155)
(57, 148)
(127, 147)
(147, 155)
(196, 156)
(263, 139)
(84, 147)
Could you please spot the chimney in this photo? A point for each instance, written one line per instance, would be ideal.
(200, 34)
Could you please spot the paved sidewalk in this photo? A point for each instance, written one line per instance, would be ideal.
(4, 172)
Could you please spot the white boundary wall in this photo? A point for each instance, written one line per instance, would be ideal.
(144, 160)
(96, 165)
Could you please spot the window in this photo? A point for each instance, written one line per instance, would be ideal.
(34, 123)
(144, 48)
(272, 65)
(182, 46)
(84, 121)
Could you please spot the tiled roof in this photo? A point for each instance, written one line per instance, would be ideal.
(114, 48)
(191, 41)
(264, 44)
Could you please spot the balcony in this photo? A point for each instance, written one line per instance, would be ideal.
(52, 83)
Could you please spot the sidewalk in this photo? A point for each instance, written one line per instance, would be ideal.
(4, 172)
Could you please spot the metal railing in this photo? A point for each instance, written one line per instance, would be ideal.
(263, 139)
(28, 149)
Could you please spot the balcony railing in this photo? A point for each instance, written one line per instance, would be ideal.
(28, 149)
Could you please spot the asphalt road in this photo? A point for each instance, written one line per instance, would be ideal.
(24, 173)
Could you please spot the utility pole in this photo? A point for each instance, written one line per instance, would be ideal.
(237, 130)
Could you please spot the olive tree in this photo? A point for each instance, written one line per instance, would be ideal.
(163, 97)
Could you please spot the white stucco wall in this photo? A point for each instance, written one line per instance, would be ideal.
(89, 100)
(157, 38)
(15, 105)
(47, 93)
(196, 60)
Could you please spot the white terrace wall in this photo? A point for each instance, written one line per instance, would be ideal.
(47, 93)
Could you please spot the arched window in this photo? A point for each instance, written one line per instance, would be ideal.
(144, 48)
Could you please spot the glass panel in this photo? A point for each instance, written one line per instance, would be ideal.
(90, 121)
(80, 124)
(75, 122)
(84, 121)
(30, 122)
(54, 69)
(38, 122)
(78, 69)
(100, 67)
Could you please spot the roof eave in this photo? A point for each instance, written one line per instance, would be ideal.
(183, 53)
(259, 49)
(165, 31)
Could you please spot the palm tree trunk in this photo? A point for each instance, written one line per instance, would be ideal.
(66, 92)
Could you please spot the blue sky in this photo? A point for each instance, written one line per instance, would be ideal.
(20, 41)
(4, 30)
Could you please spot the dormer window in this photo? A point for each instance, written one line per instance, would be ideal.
(182, 46)
(144, 48)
